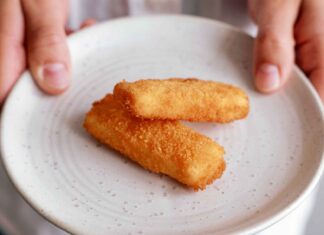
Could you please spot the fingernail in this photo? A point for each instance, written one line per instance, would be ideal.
(268, 78)
(55, 76)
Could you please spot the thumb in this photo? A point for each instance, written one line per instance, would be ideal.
(274, 45)
(47, 51)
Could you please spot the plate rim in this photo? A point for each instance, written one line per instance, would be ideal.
(250, 229)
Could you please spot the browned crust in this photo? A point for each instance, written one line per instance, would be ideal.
(160, 146)
(183, 99)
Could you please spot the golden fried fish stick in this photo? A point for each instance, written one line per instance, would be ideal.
(160, 146)
(183, 99)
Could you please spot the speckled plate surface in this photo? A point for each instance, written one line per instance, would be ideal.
(274, 157)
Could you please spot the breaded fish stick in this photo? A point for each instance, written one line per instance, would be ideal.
(160, 146)
(183, 99)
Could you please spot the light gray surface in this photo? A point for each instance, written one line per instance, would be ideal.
(315, 225)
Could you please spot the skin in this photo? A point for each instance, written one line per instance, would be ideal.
(289, 31)
(30, 38)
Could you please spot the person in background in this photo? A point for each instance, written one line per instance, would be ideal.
(33, 34)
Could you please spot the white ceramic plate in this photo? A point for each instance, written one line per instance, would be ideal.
(274, 157)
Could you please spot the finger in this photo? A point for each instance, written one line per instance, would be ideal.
(12, 58)
(88, 23)
(310, 58)
(309, 33)
(274, 45)
(316, 78)
(68, 31)
(48, 55)
(310, 54)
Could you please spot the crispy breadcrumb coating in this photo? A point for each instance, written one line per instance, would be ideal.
(183, 99)
(161, 146)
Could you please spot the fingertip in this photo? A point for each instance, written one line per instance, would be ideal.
(267, 78)
(316, 77)
(68, 31)
(2, 99)
(88, 23)
(53, 91)
(53, 78)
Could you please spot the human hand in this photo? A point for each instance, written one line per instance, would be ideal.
(289, 31)
(32, 33)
